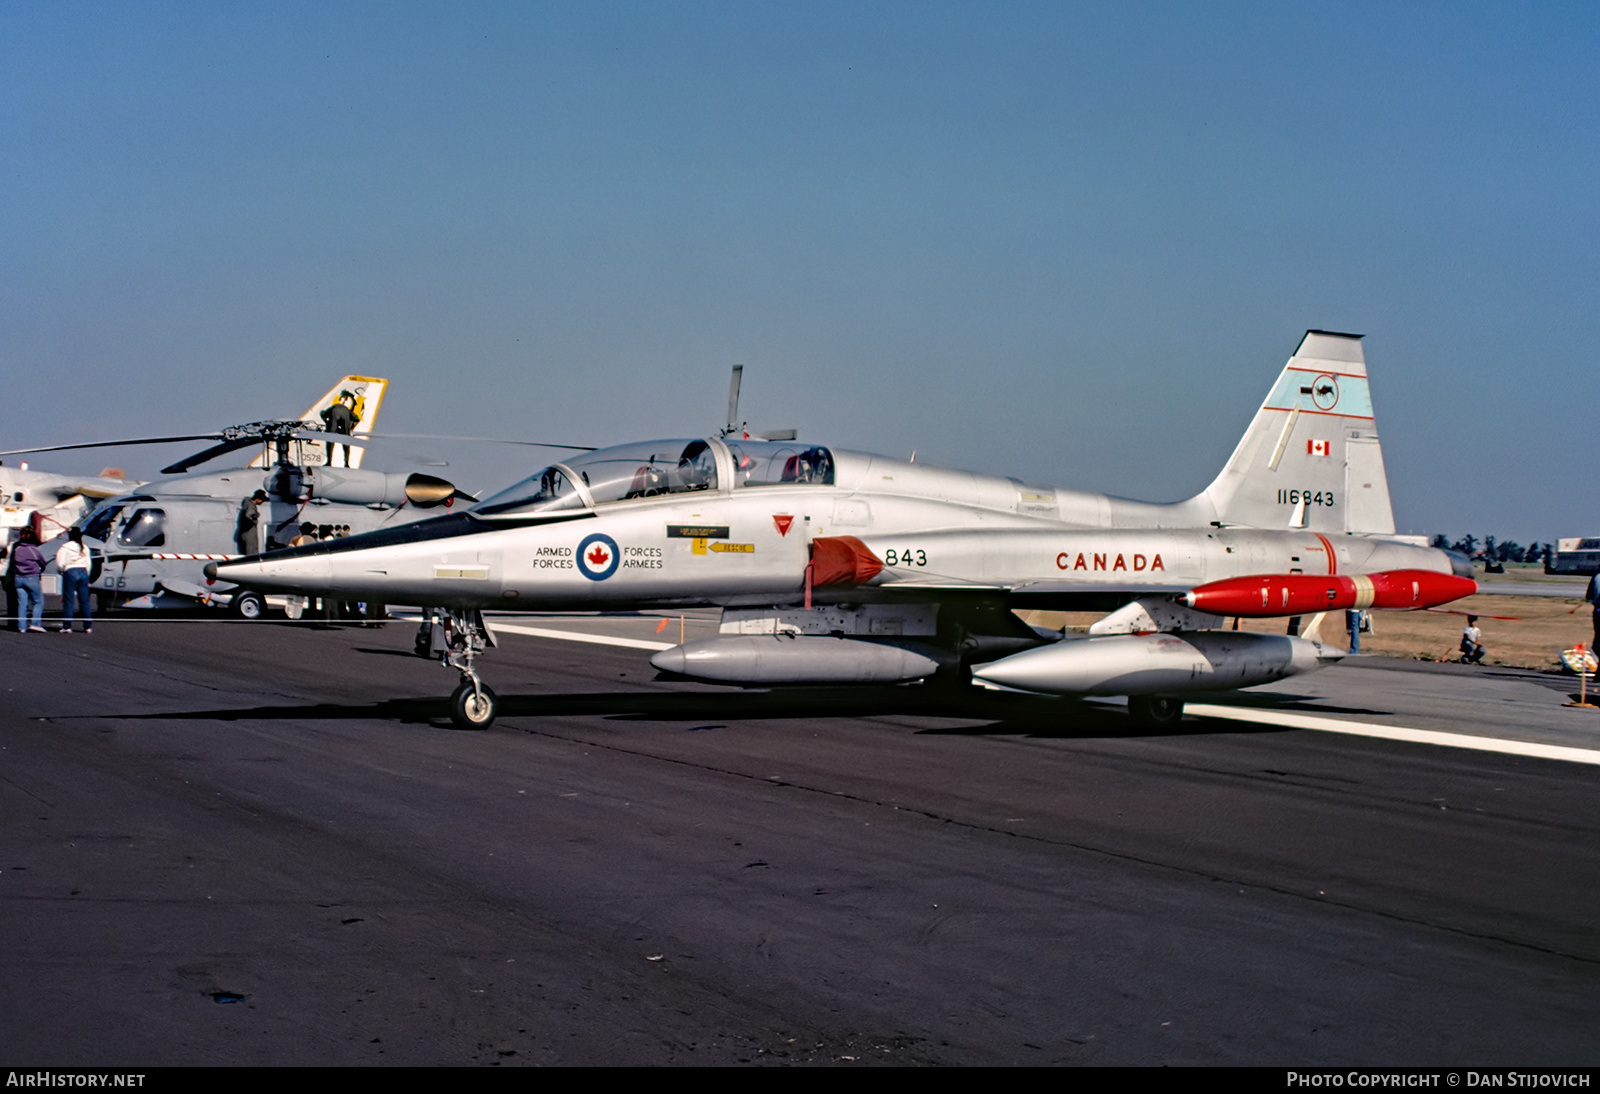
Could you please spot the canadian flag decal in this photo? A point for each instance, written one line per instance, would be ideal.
(783, 521)
(1317, 448)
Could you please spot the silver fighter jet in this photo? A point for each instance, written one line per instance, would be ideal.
(833, 566)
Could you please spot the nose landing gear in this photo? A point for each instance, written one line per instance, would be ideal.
(455, 638)
(473, 705)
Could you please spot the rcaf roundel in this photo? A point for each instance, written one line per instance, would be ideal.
(597, 557)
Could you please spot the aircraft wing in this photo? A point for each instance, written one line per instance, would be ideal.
(1029, 588)
(1084, 597)
(1064, 595)
(962, 564)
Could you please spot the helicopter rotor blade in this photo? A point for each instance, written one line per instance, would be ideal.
(234, 443)
(486, 440)
(211, 453)
(114, 444)
(231, 441)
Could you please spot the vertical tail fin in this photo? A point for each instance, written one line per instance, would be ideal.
(364, 392)
(1311, 457)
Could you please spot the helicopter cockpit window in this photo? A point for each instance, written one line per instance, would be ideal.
(768, 463)
(623, 473)
(146, 528)
(98, 525)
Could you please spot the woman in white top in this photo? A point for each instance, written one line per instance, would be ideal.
(73, 561)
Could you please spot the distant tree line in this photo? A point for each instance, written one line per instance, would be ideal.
(1491, 550)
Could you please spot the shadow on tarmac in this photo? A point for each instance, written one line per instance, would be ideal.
(991, 713)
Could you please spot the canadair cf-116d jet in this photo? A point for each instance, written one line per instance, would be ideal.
(837, 567)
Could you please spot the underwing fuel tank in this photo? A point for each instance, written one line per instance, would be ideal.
(1147, 664)
(795, 659)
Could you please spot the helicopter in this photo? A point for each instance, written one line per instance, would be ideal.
(149, 542)
(50, 503)
(841, 567)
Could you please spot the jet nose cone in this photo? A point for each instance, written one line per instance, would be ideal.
(211, 571)
(670, 660)
(292, 571)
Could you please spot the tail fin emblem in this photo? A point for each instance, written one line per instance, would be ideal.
(1324, 392)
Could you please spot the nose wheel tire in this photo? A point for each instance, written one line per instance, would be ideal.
(248, 605)
(473, 709)
(1155, 711)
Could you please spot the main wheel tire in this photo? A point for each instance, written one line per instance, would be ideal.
(248, 605)
(471, 709)
(1156, 711)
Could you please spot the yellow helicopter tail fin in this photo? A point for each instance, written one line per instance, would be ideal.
(363, 395)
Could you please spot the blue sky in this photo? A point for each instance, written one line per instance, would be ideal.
(1072, 243)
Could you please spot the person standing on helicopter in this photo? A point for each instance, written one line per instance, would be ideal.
(340, 418)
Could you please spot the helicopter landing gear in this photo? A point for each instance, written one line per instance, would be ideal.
(464, 635)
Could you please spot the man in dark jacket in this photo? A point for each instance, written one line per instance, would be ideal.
(249, 531)
(28, 563)
(340, 418)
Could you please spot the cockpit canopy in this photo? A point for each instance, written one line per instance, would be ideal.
(782, 463)
(653, 468)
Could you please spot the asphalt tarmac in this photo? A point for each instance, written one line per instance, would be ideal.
(264, 844)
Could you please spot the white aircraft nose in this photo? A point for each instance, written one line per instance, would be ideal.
(305, 572)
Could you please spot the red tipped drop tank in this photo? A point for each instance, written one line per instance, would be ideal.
(1305, 594)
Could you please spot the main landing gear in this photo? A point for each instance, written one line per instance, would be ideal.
(248, 604)
(454, 638)
(1155, 711)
